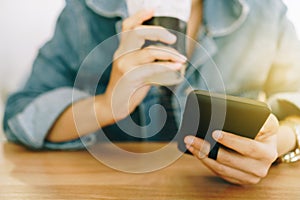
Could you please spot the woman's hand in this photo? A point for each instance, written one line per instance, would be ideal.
(246, 161)
(133, 65)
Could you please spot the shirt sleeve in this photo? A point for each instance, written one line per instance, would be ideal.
(283, 83)
(31, 112)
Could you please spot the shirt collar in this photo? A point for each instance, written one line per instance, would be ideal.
(224, 17)
(221, 17)
(108, 8)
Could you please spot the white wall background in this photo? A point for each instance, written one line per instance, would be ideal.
(294, 13)
(27, 24)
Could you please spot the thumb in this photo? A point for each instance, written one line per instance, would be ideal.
(269, 128)
(137, 19)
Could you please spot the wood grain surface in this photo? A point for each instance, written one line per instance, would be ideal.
(26, 174)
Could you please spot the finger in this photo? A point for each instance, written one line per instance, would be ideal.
(240, 182)
(232, 158)
(198, 144)
(155, 33)
(237, 161)
(232, 181)
(151, 54)
(138, 76)
(148, 70)
(135, 39)
(245, 146)
(137, 19)
(225, 172)
(228, 157)
(230, 173)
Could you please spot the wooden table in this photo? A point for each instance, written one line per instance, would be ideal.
(26, 174)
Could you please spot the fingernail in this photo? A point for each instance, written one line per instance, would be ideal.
(183, 59)
(173, 38)
(201, 155)
(177, 65)
(188, 147)
(189, 140)
(218, 135)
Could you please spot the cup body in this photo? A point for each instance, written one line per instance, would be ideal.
(172, 15)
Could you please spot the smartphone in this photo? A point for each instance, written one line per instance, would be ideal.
(205, 112)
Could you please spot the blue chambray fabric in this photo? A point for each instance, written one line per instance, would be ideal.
(244, 47)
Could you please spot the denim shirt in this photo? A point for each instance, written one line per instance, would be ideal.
(246, 48)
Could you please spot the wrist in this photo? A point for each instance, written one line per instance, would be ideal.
(293, 155)
(286, 140)
(103, 111)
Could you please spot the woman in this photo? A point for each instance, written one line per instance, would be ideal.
(252, 43)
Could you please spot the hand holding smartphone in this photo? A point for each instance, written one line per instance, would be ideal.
(206, 112)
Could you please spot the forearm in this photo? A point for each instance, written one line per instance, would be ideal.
(81, 118)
